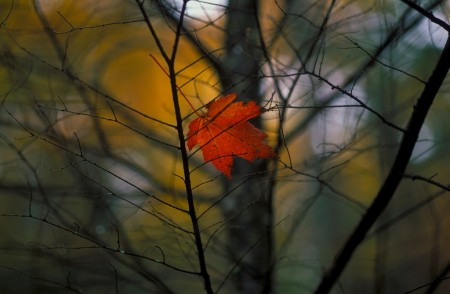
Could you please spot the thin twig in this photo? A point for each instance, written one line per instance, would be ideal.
(170, 61)
(395, 175)
(428, 14)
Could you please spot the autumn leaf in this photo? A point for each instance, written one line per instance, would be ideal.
(224, 132)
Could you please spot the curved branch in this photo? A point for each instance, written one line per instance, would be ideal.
(396, 173)
(428, 15)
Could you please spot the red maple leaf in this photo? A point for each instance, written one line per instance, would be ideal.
(224, 132)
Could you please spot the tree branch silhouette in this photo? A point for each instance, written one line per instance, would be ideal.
(170, 61)
(396, 172)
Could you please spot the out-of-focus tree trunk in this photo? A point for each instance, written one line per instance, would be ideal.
(250, 242)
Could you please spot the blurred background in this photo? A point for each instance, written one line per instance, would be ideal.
(92, 194)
